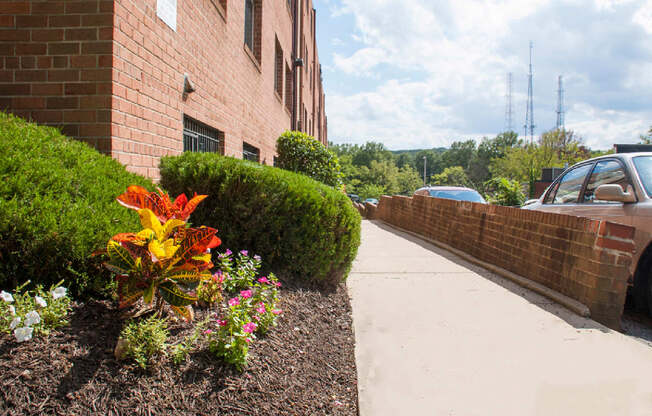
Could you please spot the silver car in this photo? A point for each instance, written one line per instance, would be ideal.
(451, 192)
(616, 188)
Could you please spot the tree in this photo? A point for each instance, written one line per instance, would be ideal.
(405, 159)
(505, 192)
(555, 148)
(433, 163)
(453, 176)
(301, 153)
(371, 191)
(363, 155)
(408, 180)
(460, 154)
(646, 139)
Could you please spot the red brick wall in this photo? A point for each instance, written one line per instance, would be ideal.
(111, 72)
(234, 92)
(55, 65)
(584, 259)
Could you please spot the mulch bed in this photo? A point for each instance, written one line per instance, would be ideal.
(304, 366)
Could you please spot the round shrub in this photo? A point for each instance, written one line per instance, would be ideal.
(298, 152)
(302, 229)
(57, 199)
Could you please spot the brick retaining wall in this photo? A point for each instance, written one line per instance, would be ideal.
(587, 260)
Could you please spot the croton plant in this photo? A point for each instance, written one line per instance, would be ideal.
(165, 261)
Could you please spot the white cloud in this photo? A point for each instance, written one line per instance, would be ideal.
(454, 57)
(643, 17)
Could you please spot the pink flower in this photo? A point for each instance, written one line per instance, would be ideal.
(247, 340)
(277, 311)
(277, 284)
(221, 322)
(263, 280)
(261, 309)
(207, 332)
(218, 277)
(256, 317)
(234, 301)
(249, 327)
(244, 252)
(246, 294)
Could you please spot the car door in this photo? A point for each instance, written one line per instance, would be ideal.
(563, 196)
(606, 171)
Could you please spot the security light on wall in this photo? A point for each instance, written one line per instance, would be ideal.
(298, 62)
(188, 85)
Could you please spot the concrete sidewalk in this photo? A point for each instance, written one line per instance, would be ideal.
(436, 335)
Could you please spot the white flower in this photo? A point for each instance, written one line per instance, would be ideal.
(59, 292)
(32, 318)
(40, 302)
(23, 334)
(14, 323)
(12, 310)
(6, 297)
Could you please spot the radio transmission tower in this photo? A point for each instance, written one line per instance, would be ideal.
(560, 105)
(529, 113)
(508, 104)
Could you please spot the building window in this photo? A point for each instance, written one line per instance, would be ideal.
(288, 88)
(250, 152)
(198, 137)
(278, 70)
(252, 26)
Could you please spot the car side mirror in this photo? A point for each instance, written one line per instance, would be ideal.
(613, 192)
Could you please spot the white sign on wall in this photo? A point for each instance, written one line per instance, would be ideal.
(167, 11)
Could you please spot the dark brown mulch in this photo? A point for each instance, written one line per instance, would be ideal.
(304, 366)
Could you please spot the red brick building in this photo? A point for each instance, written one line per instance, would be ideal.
(139, 79)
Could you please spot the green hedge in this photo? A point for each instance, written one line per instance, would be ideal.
(298, 152)
(57, 205)
(302, 229)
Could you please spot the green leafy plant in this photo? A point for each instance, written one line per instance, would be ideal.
(503, 191)
(36, 312)
(238, 274)
(234, 331)
(264, 300)
(181, 350)
(58, 207)
(166, 261)
(298, 152)
(303, 229)
(145, 339)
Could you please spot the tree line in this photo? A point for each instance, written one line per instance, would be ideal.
(503, 168)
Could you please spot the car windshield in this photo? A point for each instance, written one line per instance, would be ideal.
(459, 195)
(644, 168)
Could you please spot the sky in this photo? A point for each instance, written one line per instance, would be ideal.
(425, 73)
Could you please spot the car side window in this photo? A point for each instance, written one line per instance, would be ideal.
(605, 172)
(550, 198)
(571, 184)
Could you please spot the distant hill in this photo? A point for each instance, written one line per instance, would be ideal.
(415, 151)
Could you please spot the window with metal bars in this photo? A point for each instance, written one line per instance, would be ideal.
(198, 137)
(250, 152)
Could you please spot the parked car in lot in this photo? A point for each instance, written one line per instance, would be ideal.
(372, 201)
(451, 192)
(616, 188)
(354, 197)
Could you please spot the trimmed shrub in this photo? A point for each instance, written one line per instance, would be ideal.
(302, 229)
(298, 152)
(57, 205)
